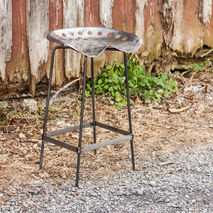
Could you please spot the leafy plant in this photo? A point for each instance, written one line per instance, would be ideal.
(195, 68)
(143, 85)
(198, 67)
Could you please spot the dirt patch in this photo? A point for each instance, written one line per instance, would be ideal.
(184, 120)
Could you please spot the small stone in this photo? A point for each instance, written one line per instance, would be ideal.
(152, 183)
(3, 139)
(3, 104)
(30, 104)
(44, 174)
(193, 201)
(22, 135)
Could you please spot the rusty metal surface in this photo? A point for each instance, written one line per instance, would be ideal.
(92, 41)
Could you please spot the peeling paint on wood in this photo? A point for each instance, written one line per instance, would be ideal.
(123, 18)
(182, 31)
(5, 35)
(167, 20)
(56, 22)
(208, 33)
(178, 23)
(164, 26)
(172, 22)
(153, 33)
(92, 19)
(192, 31)
(123, 15)
(139, 17)
(73, 16)
(91, 13)
(18, 68)
(205, 11)
(106, 12)
(37, 29)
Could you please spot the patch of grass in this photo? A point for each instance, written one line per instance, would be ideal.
(52, 117)
(13, 114)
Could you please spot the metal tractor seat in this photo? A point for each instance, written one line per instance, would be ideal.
(91, 42)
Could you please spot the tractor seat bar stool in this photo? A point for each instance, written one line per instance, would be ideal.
(91, 42)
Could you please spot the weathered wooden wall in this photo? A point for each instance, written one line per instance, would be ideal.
(164, 26)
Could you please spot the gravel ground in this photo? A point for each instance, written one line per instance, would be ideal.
(180, 182)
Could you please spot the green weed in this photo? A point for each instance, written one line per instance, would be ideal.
(196, 68)
(13, 114)
(111, 82)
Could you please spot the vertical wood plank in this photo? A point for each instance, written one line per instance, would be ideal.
(205, 11)
(18, 69)
(106, 12)
(5, 35)
(123, 18)
(150, 29)
(123, 15)
(56, 22)
(178, 11)
(37, 30)
(182, 29)
(208, 32)
(73, 16)
(172, 21)
(139, 18)
(192, 30)
(92, 19)
(91, 13)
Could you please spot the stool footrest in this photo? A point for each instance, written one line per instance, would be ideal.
(90, 147)
(85, 125)
(106, 143)
(114, 129)
(60, 143)
(127, 136)
(68, 129)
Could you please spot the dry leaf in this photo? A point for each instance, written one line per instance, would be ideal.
(2, 203)
(179, 110)
(22, 135)
(34, 140)
(44, 174)
(165, 163)
(37, 120)
(16, 151)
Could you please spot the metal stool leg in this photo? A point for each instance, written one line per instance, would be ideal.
(81, 121)
(129, 111)
(93, 103)
(47, 105)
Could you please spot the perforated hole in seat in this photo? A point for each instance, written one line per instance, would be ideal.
(109, 35)
(117, 36)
